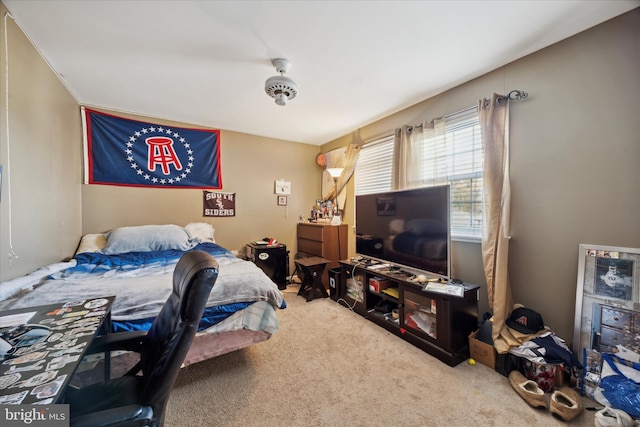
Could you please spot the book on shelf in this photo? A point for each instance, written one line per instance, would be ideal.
(393, 292)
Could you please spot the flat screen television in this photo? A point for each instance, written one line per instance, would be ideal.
(408, 228)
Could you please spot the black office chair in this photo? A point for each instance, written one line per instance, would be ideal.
(140, 400)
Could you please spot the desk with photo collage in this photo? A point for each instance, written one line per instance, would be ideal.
(41, 347)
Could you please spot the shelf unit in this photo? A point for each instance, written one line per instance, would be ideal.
(438, 323)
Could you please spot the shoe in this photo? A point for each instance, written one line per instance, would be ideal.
(566, 403)
(609, 417)
(527, 389)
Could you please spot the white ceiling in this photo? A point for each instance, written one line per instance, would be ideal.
(205, 62)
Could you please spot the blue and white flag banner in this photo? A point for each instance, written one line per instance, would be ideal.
(126, 152)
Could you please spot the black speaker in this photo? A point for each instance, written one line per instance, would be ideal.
(273, 260)
(335, 283)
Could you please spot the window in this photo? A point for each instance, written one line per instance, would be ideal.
(455, 156)
(375, 166)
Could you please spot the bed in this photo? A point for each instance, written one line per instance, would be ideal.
(136, 265)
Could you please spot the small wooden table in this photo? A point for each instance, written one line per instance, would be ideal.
(312, 269)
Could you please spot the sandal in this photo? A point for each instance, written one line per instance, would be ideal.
(527, 390)
(566, 404)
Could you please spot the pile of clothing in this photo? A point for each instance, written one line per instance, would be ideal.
(542, 356)
(540, 347)
(532, 346)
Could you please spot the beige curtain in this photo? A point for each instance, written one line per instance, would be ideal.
(402, 150)
(494, 123)
(412, 168)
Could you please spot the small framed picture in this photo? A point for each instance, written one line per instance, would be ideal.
(282, 200)
(614, 278)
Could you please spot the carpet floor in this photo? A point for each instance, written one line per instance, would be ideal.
(328, 366)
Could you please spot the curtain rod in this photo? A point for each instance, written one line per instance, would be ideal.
(514, 95)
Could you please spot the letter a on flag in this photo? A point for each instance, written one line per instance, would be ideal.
(120, 151)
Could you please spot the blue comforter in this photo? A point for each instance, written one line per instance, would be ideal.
(142, 281)
(98, 264)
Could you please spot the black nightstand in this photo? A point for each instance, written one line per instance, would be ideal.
(273, 260)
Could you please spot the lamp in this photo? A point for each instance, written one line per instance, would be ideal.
(335, 174)
(281, 88)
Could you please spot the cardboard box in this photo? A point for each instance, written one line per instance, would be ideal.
(481, 351)
(376, 284)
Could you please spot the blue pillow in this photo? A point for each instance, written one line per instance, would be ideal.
(146, 238)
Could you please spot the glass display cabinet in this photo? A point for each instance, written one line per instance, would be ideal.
(421, 313)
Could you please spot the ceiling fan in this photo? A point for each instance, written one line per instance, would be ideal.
(281, 88)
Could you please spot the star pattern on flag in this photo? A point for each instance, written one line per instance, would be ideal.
(147, 175)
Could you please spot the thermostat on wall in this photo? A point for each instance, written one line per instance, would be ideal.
(283, 187)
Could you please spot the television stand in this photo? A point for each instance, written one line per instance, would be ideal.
(436, 321)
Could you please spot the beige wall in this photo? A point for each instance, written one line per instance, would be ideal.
(249, 166)
(575, 147)
(40, 215)
(51, 208)
(575, 150)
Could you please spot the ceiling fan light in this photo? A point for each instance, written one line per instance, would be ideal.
(281, 99)
(280, 87)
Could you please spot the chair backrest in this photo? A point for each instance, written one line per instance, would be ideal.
(171, 334)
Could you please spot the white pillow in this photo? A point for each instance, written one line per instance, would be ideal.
(146, 238)
(92, 243)
(201, 232)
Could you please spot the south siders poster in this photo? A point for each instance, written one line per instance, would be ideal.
(218, 204)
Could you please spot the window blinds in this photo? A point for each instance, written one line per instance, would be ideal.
(375, 166)
(454, 156)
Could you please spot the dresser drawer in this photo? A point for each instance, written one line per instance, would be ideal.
(311, 232)
(325, 241)
(310, 246)
(611, 337)
(616, 318)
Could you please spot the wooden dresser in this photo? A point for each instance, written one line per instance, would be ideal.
(323, 240)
